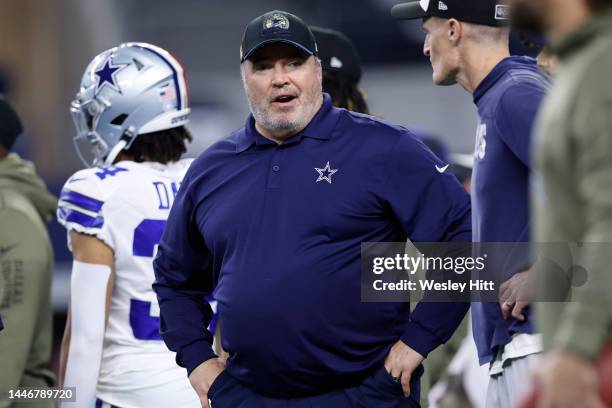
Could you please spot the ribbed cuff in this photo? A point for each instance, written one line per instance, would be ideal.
(420, 339)
(193, 355)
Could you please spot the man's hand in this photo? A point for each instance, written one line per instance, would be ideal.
(401, 363)
(515, 294)
(566, 379)
(203, 376)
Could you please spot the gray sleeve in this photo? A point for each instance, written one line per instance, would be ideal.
(588, 318)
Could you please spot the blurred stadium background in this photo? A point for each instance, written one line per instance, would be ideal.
(46, 45)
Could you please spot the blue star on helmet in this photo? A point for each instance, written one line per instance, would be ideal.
(106, 75)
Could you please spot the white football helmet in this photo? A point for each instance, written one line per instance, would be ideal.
(127, 91)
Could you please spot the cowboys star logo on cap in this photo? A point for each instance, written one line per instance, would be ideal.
(277, 26)
(276, 21)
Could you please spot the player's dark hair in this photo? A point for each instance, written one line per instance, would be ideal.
(163, 146)
(345, 94)
(599, 5)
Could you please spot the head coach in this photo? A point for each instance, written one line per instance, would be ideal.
(271, 219)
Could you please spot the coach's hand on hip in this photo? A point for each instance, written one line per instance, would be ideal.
(401, 363)
(203, 376)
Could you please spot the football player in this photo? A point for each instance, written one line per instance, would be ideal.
(130, 115)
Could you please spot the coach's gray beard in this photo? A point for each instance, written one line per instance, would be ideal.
(263, 119)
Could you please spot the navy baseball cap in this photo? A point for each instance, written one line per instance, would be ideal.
(484, 12)
(277, 26)
(337, 53)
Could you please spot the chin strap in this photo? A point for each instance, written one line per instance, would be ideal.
(112, 155)
(124, 143)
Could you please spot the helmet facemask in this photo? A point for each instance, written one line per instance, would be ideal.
(90, 147)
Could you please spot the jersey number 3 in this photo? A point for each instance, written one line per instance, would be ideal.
(146, 236)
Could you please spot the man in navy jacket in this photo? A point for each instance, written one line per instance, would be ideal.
(467, 43)
(272, 219)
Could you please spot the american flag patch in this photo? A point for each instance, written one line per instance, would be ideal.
(167, 94)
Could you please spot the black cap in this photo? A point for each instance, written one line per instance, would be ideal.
(10, 125)
(337, 53)
(277, 26)
(485, 12)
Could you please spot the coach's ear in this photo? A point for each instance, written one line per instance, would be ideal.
(319, 69)
(455, 30)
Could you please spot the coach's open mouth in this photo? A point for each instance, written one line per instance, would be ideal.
(284, 99)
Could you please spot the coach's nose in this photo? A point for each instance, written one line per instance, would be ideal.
(279, 78)
(426, 46)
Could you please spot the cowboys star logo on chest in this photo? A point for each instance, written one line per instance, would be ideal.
(325, 173)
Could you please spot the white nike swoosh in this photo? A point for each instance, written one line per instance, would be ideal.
(441, 169)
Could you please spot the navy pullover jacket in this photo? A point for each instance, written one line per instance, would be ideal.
(275, 231)
(508, 100)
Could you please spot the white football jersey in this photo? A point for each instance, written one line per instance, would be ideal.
(126, 206)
